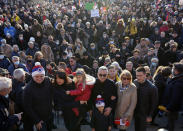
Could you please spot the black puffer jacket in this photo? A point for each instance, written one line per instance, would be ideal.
(37, 100)
(174, 93)
(106, 90)
(62, 101)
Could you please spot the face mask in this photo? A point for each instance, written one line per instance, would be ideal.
(7, 96)
(1, 56)
(17, 62)
(21, 38)
(104, 36)
(93, 48)
(78, 47)
(154, 64)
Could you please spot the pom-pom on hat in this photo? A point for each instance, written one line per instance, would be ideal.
(100, 101)
(38, 69)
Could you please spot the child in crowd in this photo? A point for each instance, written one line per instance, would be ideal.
(100, 122)
(82, 91)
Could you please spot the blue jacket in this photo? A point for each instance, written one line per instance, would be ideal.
(10, 30)
(31, 52)
(14, 54)
(4, 63)
(11, 68)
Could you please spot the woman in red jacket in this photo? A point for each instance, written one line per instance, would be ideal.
(84, 84)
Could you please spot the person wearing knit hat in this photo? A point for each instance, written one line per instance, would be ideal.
(37, 101)
(38, 70)
(99, 121)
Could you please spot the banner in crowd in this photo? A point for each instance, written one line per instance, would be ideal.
(180, 2)
(95, 13)
(89, 6)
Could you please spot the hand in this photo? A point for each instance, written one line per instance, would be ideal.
(149, 119)
(67, 92)
(83, 102)
(90, 112)
(113, 97)
(19, 115)
(124, 119)
(109, 129)
(107, 111)
(39, 125)
(93, 129)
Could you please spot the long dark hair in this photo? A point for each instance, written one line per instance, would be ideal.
(62, 75)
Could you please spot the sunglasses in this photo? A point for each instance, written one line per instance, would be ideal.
(124, 78)
(102, 75)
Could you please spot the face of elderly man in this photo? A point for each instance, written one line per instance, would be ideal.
(102, 75)
(6, 86)
(39, 78)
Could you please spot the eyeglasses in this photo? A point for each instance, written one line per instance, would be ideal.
(102, 75)
(124, 78)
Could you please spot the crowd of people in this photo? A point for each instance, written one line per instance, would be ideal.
(125, 64)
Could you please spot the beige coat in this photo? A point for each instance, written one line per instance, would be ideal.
(126, 104)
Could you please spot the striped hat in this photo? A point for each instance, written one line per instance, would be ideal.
(38, 69)
(100, 101)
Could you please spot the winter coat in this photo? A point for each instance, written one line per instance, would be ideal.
(100, 122)
(81, 93)
(11, 68)
(31, 52)
(107, 89)
(6, 121)
(16, 95)
(35, 29)
(10, 30)
(173, 94)
(37, 101)
(126, 103)
(62, 101)
(4, 63)
(147, 98)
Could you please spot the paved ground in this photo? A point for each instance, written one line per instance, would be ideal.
(162, 122)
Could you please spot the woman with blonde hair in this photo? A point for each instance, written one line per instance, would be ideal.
(127, 99)
(47, 52)
(79, 48)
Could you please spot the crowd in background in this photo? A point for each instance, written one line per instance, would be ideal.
(132, 52)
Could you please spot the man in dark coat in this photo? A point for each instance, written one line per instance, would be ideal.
(17, 89)
(37, 101)
(147, 100)
(4, 61)
(174, 95)
(107, 89)
(73, 65)
(6, 121)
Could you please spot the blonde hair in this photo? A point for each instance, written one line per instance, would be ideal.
(81, 72)
(127, 74)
